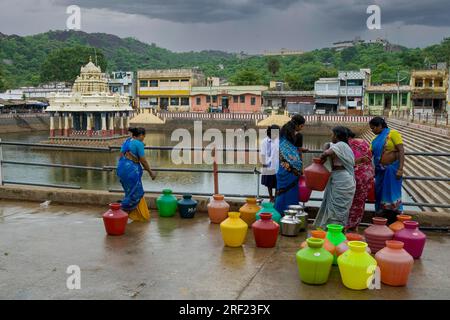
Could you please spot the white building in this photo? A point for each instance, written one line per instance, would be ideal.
(327, 95)
(90, 109)
(122, 83)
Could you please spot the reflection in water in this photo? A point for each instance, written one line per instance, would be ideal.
(102, 180)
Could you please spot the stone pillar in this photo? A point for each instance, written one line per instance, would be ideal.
(104, 133)
(52, 125)
(66, 125)
(127, 122)
(60, 124)
(89, 125)
(122, 128)
(111, 124)
(117, 129)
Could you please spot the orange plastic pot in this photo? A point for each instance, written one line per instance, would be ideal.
(399, 225)
(341, 248)
(395, 263)
(320, 234)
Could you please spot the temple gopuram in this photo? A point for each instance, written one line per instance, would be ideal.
(90, 114)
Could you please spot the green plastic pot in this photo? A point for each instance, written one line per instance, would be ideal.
(314, 262)
(166, 204)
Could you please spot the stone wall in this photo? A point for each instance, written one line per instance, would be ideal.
(17, 123)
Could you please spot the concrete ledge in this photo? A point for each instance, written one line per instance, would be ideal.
(103, 198)
(90, 197)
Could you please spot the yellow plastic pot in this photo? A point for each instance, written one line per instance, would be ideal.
(356, 266)
(234, 230)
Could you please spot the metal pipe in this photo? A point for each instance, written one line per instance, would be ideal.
(197, 170)
(68, 166)
(168, 148)
(51, 146)
(255, 171)
(215, 173)
(61, 186)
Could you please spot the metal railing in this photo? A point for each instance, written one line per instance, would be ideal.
(430, 118)
(215, 171)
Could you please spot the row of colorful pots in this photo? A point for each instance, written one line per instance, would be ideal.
(234, 230)
(392, 263)
(167, 205)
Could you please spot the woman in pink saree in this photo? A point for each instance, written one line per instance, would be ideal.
(364, 175)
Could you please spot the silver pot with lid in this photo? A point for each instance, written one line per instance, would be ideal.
(300, 215)
(289, 224)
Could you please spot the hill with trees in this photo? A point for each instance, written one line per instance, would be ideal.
(58, 55)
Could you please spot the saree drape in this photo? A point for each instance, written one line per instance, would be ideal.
(130, 176)
(338, 196)
(388, 189)
(364, 174)
(288, 173)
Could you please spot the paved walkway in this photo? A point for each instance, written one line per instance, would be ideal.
(170, 259)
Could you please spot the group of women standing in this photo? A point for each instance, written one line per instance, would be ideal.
(354, 165)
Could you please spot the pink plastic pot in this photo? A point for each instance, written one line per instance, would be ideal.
(413, 238)
(304, 193)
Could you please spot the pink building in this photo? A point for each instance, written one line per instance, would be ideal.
(227, 98)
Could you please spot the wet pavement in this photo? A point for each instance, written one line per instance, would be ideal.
(171, 258)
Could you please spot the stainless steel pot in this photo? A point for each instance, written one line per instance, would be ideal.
(301, 215)
(289, 224)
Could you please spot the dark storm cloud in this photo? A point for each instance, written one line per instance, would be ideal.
(351, 14)
(208, 11)
(343, 13)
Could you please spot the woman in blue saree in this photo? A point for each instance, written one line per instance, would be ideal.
(289, 169)
(388, 157)
(130, 168)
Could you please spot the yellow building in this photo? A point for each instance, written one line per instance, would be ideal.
(429, 90)
(167, 89)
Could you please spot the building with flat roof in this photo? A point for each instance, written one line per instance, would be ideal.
(351, 90)
(326, 95)
(429, 90)
(289, 100)
(227, 98)
(382, 99)
(167, 89)
(122, 82)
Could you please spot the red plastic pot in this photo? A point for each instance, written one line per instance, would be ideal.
(265, 231)
(115, 220)
(317, 175)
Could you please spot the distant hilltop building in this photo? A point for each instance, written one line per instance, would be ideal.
(283, 52)
(341, 45)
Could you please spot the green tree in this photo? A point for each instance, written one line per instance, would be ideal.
(247, 77)
(348, 54)
(273, 65)
(2, 81)
(64, 64)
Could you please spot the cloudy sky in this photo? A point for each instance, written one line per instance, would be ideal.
(236, 25)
